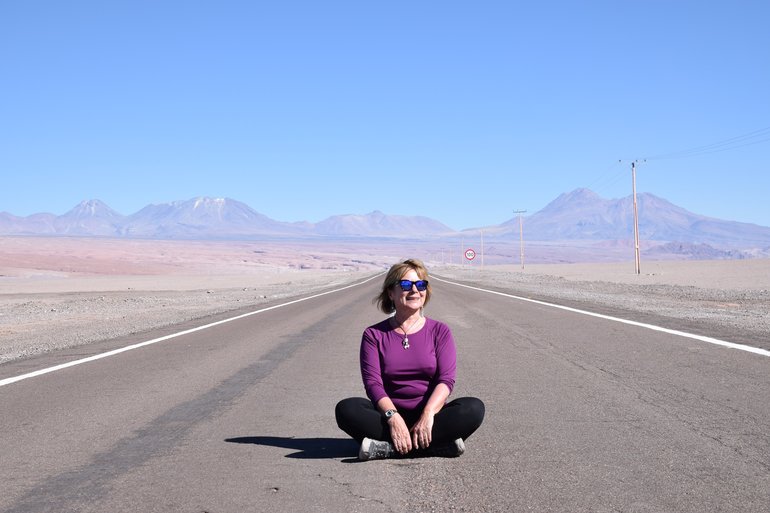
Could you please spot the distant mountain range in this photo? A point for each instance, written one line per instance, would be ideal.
(211, 218)
(577, 215)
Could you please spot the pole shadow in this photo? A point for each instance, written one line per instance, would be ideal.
(307, 448)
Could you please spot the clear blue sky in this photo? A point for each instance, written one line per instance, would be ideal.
(459, 111)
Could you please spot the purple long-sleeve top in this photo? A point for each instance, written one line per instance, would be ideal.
(407, 376)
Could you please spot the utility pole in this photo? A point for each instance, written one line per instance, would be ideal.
(482, 248)
(636, 221)
(521, 236)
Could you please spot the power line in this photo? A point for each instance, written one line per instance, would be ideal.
(609, 177)
(608, 173)
(740, 141)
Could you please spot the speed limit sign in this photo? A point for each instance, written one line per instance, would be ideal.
(470, 254)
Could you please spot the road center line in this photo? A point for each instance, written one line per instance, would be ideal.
(701, 338)
(8, 381)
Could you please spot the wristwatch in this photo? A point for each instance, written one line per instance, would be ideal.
(390, 413)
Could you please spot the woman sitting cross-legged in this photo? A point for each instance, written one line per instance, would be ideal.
(408, 364)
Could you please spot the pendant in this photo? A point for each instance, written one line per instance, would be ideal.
(406, 342)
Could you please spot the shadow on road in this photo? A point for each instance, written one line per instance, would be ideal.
(307, 448)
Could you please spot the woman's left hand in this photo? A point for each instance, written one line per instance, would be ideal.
(422, 431)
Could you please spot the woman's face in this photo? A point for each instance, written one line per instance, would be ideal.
(407, 299)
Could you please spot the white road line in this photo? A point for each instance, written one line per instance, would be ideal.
(8, 381)
(701, 338)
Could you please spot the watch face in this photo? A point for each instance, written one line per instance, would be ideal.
(390, 413)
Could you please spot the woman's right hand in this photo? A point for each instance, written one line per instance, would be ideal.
(399, 433)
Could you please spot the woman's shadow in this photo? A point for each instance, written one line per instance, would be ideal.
(307, 448)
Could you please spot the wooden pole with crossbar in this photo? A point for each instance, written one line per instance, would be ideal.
(521, 236)
(637, 258)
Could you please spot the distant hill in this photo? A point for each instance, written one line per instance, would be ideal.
(202, 218)
(578, 215)
(89, 218)
(584, 215)
(381, 225)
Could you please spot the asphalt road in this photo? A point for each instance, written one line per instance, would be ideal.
(583, 415)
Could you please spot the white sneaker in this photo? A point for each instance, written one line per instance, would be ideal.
(375, 450)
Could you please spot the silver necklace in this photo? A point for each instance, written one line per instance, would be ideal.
(405, 342)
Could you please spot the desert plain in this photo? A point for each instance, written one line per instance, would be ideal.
(60, 292)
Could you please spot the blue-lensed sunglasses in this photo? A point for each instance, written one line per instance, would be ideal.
(406, 285)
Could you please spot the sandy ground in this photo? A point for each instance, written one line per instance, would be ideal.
(726, 299)
(62, 292)
(708, 274)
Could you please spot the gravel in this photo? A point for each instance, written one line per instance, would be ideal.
(31, 324)
(740, 316)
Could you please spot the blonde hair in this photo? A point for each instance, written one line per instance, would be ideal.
(395, 274)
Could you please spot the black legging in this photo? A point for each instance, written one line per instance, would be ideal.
(459, 418)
